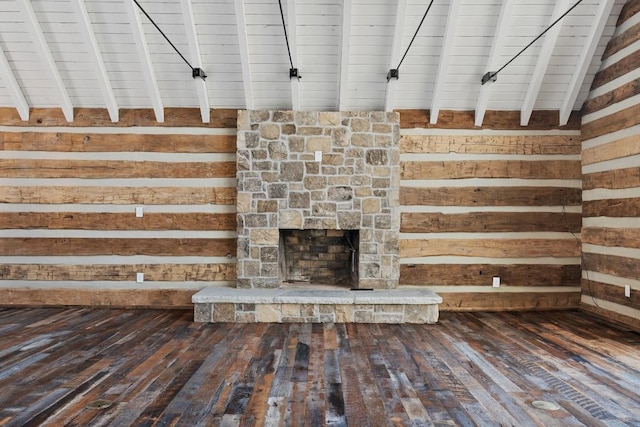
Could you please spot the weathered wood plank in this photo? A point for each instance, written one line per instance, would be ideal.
(117, 142)
(119, 195)
(116, 246)
(493, 144)
(612, 179)
(523, 169)
(615, 70)
(487, 222)
(617, 121)
(610, 264)
(117, 221)
(612, 293)
(99, 117)
(500, 301)
(481, 274)
(502, 120)
(495, 248)
(612, 97)
(612, 207)
(491, 196)
(111, 169)
(630, 8)
(119, 272)
(613, 150)
(612, 237)
(32, 297)
(621, 41)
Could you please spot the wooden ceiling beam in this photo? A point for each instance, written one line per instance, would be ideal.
(499, 37)
(345, 49)
(33, 27)
(396, 52)
(445, 55)
(549, 43)
(92, 44)
(595, 33)
(243, 44)
(13, 86)
(145, 59)
(293, 46)
(196, 58)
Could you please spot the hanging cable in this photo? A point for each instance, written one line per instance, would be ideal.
(395, 72)
(492, 75)
(293, 71)
(195, 72)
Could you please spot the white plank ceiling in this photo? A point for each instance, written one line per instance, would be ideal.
(107, 54)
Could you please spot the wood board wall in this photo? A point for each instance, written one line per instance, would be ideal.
(611, 182)
(476, 203)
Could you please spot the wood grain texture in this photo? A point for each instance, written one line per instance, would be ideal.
(119, 272)
(117, 221)
(99, 117)
(491, 196)
(612, 179)
(617, 69)
(612, 207)
(111, 169)
(116, 246)
(481, 274)
(119, 195)
(493, 248)
(613, 150)
(500, 120)
(616, 44)
(630, 8)
(612, 97)
(610, 264)
(523, 169)
(117, 142)
(142, 298)
(511, 301)
(158, 367)
(491, 144)
(487, 222)
(612, 237)
(612, 293)
(618, 319)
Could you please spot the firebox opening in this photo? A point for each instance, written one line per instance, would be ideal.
(322, 257)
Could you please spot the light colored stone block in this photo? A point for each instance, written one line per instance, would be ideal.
(269, 131)
(268, 313)
(290, 310)
(371, 205)
(319, 143)
(344, 313)
(290, 219)
(265, 236)
(202, 313)
(224, 312)
(243, 202)
(329, 119)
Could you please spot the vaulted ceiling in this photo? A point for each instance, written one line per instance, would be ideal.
(107, 54)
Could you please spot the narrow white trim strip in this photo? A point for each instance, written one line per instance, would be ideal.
(101, 284)
(455, 157)
(481, 236)
(611, 109)
(611, 280)
(98, 208)
(120, 234)
(503, 289)
(470, 209)
(620, 55)
(607, 305)
(491, 182)
(605, 194)
(115, 260)
(483, 260)
(159, 130)
(133, 182)
(616, 83)
(611, 222)
(485, 132)
(120, 156)
(611, 250)
(610, 137)
(635, 19)
(607, 165)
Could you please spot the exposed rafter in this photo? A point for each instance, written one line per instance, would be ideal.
(12, 84)
(396, 51)
(595, 32)
(196, 58)
(293, 43)
(243, 44)
(145, 59)
(345, 46)
(445, 54)
(96, 57)
(549, 43)
(500, 35)
(33, 26)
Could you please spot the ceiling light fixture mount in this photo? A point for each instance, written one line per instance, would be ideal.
(393, 73)
(490, 76)
(294, 74)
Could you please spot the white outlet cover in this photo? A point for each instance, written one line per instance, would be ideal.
(627, 291)
(139, 212)
(139, 277)
(496, 281)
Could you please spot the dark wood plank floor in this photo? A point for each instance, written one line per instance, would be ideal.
(159, 368)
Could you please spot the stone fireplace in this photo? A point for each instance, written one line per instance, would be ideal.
(318, 197)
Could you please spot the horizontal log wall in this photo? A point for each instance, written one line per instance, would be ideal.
(68, 197)
(610, 164)
(498, 201)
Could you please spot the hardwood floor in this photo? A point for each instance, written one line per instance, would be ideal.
(159, 368)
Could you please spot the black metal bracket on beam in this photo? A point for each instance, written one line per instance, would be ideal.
(198, 72)
(393, 73)
(294, 73)
(490, 76)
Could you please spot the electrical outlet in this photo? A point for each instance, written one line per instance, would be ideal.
(139, 277)
(496, 281)
(318, 155)
(139, 212)
(627, 291)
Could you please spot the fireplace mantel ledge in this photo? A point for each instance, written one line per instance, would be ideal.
(407, 296)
